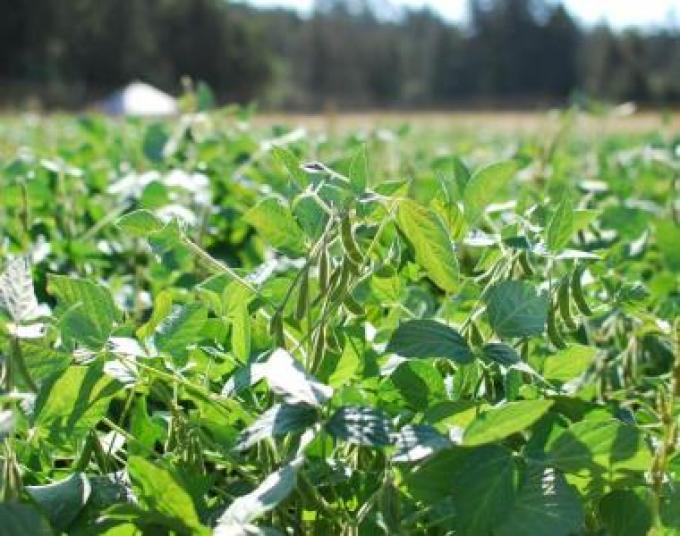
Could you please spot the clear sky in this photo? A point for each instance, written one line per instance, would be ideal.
(619, 13)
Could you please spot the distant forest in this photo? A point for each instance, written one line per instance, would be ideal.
(347, 54)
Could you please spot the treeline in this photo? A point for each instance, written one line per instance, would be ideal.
(346, 54)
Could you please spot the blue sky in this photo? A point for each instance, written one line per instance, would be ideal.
(619, 13)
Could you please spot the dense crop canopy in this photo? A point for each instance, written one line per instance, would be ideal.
(204, 330)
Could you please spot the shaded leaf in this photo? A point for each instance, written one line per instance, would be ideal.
(62, 501)
(515, 309)
(626, 512)
(429, 338)
(545, 504)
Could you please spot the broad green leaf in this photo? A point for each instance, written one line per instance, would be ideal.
(501, 353)
(279, 420)
(484, 187)
(418, 383)
(42, 361)
(274, 221)
(169, 238)
(429, 338)
(454, 414)
(561, 226)
(180, 329)
(503, 421)
(358, 170)
(484, 486)
(90, 310)
(158, 490)
(274, 489)
(481, 482)
(292, 165)
(603, 446)
(515, 309)
(626, 512)
(569, 363)
(545, 504)
(71, 404)
(430, 241)
(22, 519)
(360, 425)
(309, 214)
(62, 501)
(140, 223)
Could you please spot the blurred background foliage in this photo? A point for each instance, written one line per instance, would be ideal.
(345, 54)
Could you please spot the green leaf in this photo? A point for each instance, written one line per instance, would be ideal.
(279, 420)
(484, 186)
(583, 217)
(515, 309)
(274, 489)
(667, 240)
(349, 362)
(292, 165)
(360, 425)
(501, 353)
(241, 332)
(274, 221)
(429, 338)
(597, 447)
(155, 139)
(62, 501)
(73, 403)
(139, 224)
(418, 383)
(22, 519)
(430, 240)
(311, 217)
(180, 329)
(91, 312)
(561, 226)
(481, 482)
(569, 363)
(545, 504)
(358, 171)
(162, 306)
(626, 512)
(158, 490)
(501, 422)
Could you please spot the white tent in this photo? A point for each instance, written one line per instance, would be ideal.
(140, 99)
